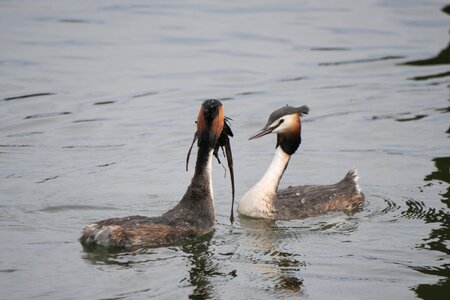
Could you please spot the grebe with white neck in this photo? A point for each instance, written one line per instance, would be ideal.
(194, 214)
(264, 200)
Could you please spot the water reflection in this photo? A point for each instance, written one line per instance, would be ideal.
(442, 58)
(202, 268)
(280, 267)
(117, 257)
(438, 237)
(273, 252)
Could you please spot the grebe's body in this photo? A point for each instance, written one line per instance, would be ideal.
(264, 200)
(193, 215)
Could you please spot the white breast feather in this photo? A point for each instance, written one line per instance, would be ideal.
(258, 201)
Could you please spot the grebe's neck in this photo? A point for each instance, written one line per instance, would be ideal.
(258, 201)
(203, 168)
(197, 205)
(272, 177)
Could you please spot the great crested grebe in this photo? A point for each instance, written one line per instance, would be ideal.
(194, 214)
(264, 200)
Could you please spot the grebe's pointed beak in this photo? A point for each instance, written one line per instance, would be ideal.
(266, 130)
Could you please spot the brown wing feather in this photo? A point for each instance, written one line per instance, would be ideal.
(135, 231)
(299, 202)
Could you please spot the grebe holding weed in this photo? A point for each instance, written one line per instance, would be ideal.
(194, 214)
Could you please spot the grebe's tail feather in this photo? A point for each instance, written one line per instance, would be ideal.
(352, 176)
(106, 236)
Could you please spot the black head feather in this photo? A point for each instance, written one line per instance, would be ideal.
(287, 110)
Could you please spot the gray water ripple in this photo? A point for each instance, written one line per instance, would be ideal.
(360, 61)
(47, 115)
(135, 74)
(28, 96)
(63, 208)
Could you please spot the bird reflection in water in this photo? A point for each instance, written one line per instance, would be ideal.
(202, 268)
(281, 267)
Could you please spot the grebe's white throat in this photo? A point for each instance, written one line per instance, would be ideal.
(209, 172)
(258, 201)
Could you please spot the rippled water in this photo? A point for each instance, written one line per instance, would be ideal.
(97, 107)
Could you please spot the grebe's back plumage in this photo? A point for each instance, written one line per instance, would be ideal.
(299, 202)
(193, 215)
(264, 200)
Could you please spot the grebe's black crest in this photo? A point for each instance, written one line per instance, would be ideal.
(287, 110)
(210, 109)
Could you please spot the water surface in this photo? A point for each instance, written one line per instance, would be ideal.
(97, 109)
